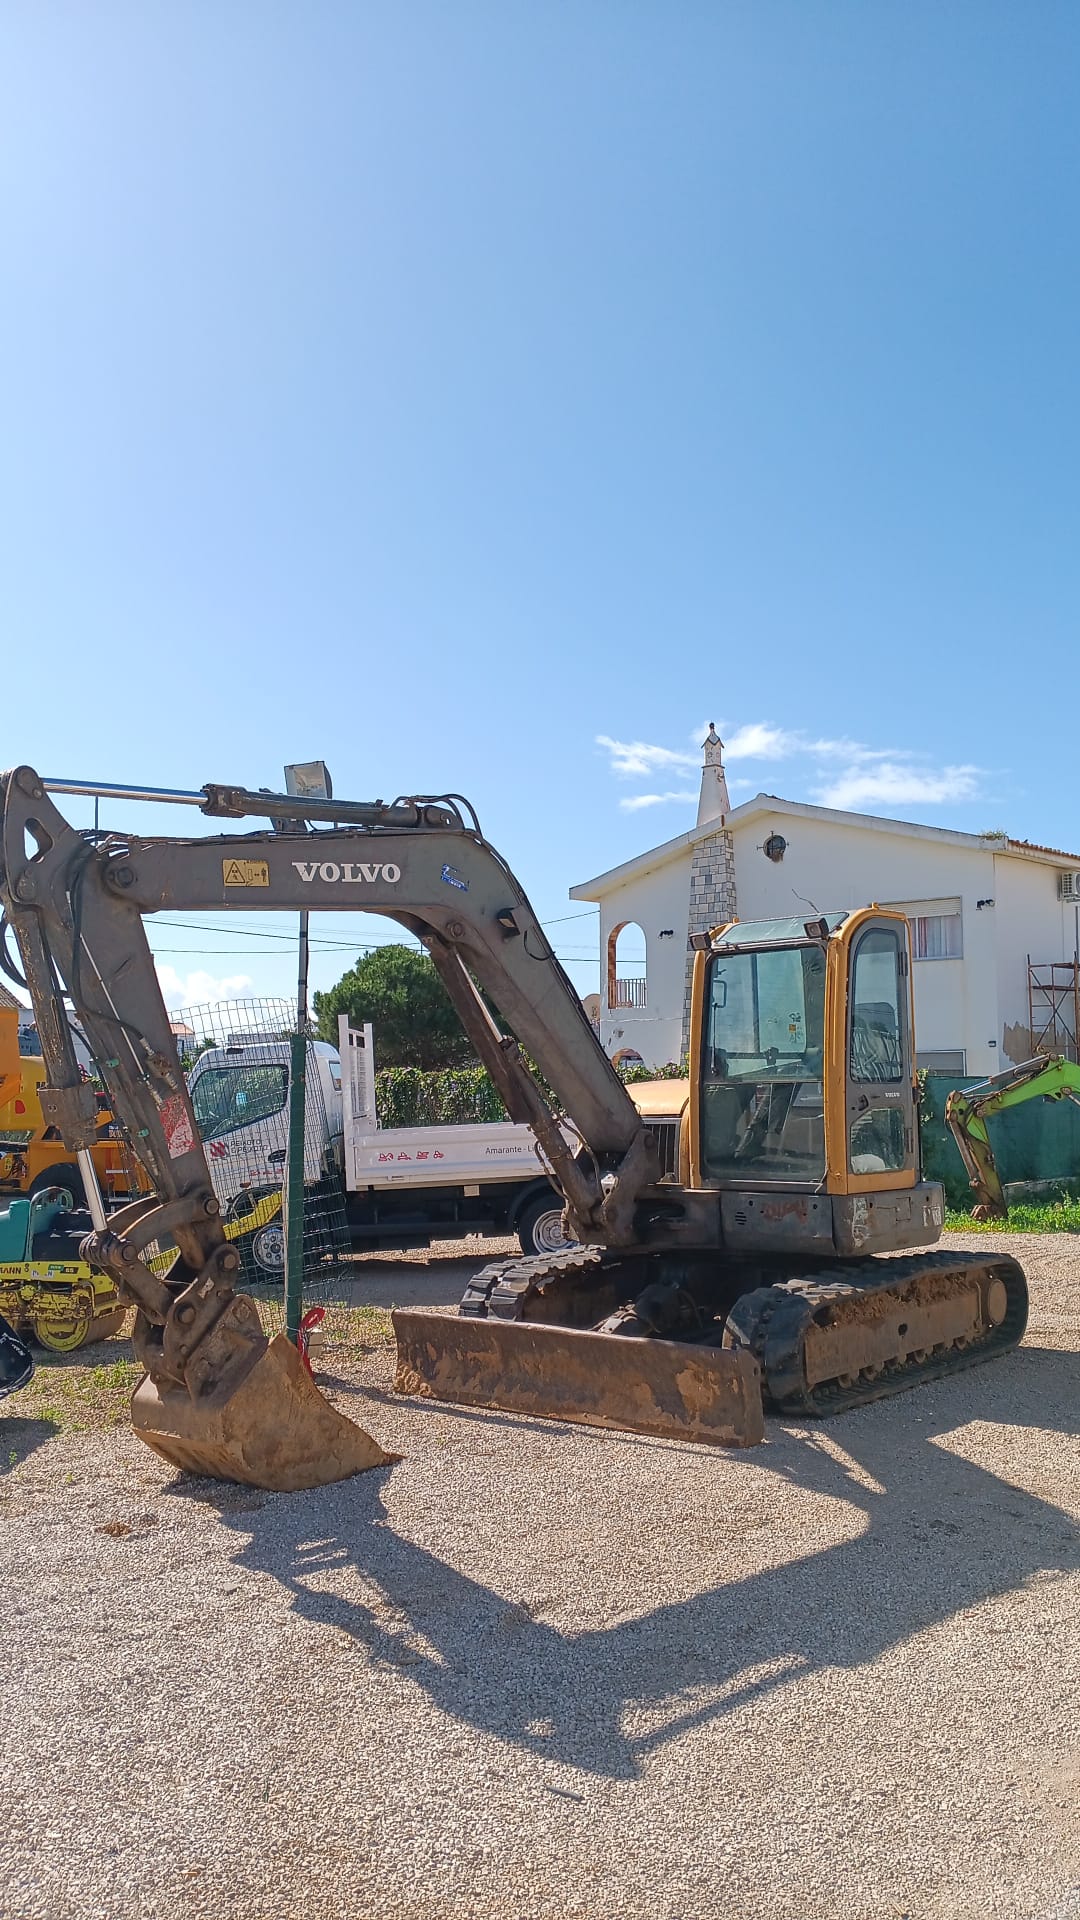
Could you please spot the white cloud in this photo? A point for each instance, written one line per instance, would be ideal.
(639, 757)
(848, 773)
(199, 989)
(631, 802)
(851, 750)
(760, 741)
(896, 783)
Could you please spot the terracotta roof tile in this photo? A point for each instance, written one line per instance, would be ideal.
(1032, 846)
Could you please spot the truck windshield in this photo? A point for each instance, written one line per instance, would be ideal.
(225, 1098)
(762, 1109)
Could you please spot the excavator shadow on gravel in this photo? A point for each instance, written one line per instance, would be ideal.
(742, 1268)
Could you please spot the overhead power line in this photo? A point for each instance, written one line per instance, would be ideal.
(576, 959)
(317, 940)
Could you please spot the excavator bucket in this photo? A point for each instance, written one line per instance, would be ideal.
(663, 1387)
(275, 1431)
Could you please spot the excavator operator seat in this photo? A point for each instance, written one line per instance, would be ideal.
(875, 1041)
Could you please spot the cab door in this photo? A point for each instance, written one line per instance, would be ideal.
(875, 1146)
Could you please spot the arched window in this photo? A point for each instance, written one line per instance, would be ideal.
(626, 967)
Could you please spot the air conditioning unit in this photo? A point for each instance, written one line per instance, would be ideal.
(1069, 886)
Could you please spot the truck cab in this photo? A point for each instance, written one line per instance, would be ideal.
(240, 1096)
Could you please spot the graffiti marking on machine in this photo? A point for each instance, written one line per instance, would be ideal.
(245, 873)
(348, 872)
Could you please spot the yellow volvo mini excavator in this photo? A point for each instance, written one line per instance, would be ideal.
(746, 1265)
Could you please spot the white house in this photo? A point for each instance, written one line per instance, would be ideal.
(994, 921)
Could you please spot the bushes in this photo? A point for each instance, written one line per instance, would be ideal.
(462, 1096)
(447, 1097)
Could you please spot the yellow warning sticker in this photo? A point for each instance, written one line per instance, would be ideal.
(245, 873)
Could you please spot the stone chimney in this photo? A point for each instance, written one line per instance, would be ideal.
(712, 866)
(713, 803)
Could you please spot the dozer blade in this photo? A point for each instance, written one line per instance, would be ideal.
(275, 1431)
(662, 1387)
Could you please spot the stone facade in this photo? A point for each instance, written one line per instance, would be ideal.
(712, 899)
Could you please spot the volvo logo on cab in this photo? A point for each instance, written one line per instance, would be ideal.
(348, 873)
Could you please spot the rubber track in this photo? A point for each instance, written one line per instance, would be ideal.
(772, 1323)
(502, 1287)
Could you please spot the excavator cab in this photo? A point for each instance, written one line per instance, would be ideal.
(803, 1083)
(800, 1163)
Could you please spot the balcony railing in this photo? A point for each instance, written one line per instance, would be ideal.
(626, 993)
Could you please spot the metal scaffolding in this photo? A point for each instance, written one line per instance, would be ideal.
(1054, 1007)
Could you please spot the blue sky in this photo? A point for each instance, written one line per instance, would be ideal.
(484, 397)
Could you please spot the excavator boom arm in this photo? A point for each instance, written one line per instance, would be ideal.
(78, 912)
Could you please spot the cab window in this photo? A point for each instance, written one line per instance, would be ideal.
(879, 1127)
(225, 1098)
(762, 1115)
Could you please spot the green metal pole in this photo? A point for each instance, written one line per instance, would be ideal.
(294, 1190)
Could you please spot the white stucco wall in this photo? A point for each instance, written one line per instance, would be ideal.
(1029, 919)
(655, 900)
(837, 865)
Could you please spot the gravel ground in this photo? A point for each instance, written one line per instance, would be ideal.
(533, 1671)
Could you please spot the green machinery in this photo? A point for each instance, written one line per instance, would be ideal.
(968, 1109)
(47, 1290)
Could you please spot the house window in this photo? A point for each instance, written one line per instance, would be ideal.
(943, 1060)
(936, 936)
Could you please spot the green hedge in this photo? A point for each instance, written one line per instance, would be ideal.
(445, 1097)
(461, 1096)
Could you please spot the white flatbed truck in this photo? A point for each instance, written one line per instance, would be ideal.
(401, 1186)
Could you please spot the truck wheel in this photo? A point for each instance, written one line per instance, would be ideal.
(268, 1250)
(540, 1227)
(65, 1174)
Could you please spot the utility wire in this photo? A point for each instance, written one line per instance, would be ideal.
(252, 933)
(198, 955)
